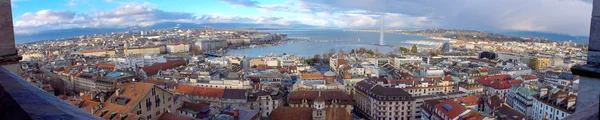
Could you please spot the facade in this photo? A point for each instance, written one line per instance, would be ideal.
(210, 45)
(99, 52)
(425, 86)
(141, 100)
(265, 101)
(539, 63)
(178, 48)
(331, 99)
(144, 50)
(553, 104)
(520, 98)
(84, 82)
(379, 102)
(397, 61)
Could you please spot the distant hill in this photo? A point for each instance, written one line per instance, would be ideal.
(550, 36)
(66, 33)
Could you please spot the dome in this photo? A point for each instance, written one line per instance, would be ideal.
(329, 73)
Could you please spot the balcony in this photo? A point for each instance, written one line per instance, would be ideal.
(21, 100)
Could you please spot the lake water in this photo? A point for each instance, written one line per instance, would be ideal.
(367, 39)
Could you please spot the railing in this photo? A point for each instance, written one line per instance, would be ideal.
(26, 101)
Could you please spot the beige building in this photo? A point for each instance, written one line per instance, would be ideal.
(210, 45)
(179, 47)
(98, 52)
(378, 101)
(144, 50)
(137, 100)
(539, 63)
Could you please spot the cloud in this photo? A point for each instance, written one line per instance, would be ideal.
(49, 15)
(557, 16)
(128, 15)
(247, 3)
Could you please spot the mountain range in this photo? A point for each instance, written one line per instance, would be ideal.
(66, 33)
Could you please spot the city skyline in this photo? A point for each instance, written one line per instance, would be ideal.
(570, 17)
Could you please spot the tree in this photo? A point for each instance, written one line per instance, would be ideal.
(404, 50)
(309, 61)
(284, 53)
(331, 52)
(317, 57)
(362, 50)
(414, 49)
(371, 52)
(352, 51)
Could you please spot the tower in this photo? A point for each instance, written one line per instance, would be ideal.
(381, 32)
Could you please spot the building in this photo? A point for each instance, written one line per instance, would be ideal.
(178, 47)
(110, 81)
(316, 112)
(266, 101)
(331, 98)
(560, 78)
(420, 100)
(425, 86)
(539, 63)
(400, 60)
(553, 104)
(98, 52)
(442, 109)
(136, 100)
(85, 81)
(379, 102)
(154, 69)
(144, 50)
(497, 84)
(520, 98)
(210, 45)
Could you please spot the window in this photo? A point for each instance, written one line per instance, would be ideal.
(148, 104)
(158, 113)
(149, 117)
(153, 92)
(139, 112)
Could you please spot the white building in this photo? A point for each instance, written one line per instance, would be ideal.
(132, 63)
(554, 104)
(178, 48)
(520, 98)
(406, 59)
(210, 45)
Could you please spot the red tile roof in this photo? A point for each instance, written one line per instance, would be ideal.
(200, 91)
(152, 70)
(105, 66)
(291, 113)
(452, 109)
(502, 81)
(529, 77)
(312, 76)
(467, 99)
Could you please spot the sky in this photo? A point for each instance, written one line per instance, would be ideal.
(569, 17)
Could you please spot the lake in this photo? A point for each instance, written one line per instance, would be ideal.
(367, 39)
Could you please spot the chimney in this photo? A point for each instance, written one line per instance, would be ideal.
(118, 92)
(543, 91)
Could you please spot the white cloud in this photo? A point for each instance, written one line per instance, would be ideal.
(557, 16)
